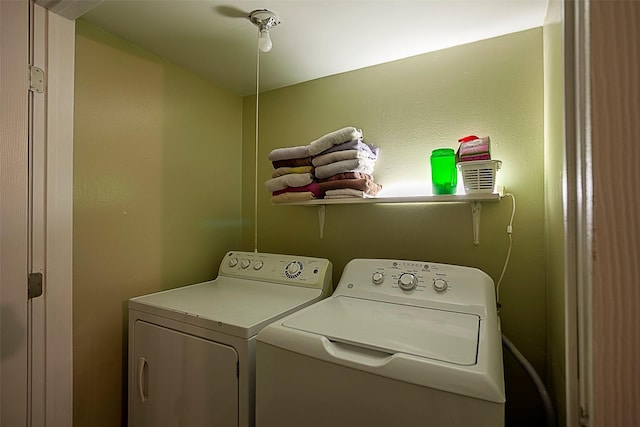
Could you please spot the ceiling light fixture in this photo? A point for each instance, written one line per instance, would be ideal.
(265, 20)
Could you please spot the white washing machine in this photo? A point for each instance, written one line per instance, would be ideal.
(192, 349)
(399, 343)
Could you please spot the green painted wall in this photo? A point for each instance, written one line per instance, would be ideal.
(157, 203)
(408, 108)
(554, 201)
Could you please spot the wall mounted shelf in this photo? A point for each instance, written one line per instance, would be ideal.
(474, 199)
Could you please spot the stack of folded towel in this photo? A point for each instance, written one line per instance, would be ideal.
(473, 148)
(293, 178)
(341, 166)
(346, 170)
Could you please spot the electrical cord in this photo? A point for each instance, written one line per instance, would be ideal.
(531, 372)
(509, 231)
(549, 409)
(550, 413)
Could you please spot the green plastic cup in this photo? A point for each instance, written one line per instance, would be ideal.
(444, 175)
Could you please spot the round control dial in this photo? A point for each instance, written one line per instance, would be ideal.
(377, 278)
(233, 262)
(440, 285)
(407, 281)
(293, 269)
(258, 265)
(245, 263)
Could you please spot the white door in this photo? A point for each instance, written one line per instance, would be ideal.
(182, 380)
(14, 55)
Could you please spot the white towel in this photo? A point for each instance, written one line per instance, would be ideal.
(353, 165)
(289, 180)
(344, 193)
(299, 152)
(325, 159)
(334, 138)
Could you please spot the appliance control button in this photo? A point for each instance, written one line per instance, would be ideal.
(440, 285)
(233, 262)
(258, 265)
(245, 263)
(377, 278)
(293, 268)
(407, 281)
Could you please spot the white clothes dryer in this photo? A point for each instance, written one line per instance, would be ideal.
(192, 349)
(399, 343)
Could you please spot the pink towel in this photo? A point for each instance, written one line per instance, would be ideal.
(314, 188)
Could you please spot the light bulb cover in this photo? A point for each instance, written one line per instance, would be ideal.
(264, 41)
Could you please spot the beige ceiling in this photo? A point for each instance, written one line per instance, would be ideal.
(316, 38)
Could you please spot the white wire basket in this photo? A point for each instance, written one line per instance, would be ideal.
(479, 176)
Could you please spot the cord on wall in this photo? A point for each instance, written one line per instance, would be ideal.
(255, 188)
(509, 232)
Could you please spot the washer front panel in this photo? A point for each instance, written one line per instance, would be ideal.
(424, 284)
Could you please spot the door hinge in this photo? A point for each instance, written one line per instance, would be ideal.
(36, 79)
(34, 285)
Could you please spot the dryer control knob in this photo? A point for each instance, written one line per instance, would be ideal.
(245, 263)
(258, 265)
(440, 285)
(233, 262)
(293, 268)
(407, 281)
(377, 278)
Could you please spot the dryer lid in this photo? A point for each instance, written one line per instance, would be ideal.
(394, 328)
(229, 305)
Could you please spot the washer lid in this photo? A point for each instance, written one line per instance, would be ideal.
(394, 328)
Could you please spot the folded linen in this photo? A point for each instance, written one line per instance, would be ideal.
(347, 175)
(289, 180)
(287, 170)
(324, 159)
(345, 193)
(291, 163)
(366, 185)
(314, 188)
(353, 165)
(476, 146)
(474, 157)
(334, 138)
(292, 197)
(287, 153)
(354, 144)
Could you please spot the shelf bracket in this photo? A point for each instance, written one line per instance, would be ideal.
(321, 210)
(476, 207)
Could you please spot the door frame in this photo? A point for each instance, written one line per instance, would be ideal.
(51, 315)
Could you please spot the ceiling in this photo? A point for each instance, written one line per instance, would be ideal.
(316, 38)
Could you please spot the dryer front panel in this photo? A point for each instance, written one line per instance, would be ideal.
(182, 380)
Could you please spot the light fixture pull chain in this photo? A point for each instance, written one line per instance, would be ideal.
(255, 190)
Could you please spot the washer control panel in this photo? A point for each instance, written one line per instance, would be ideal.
(415, 282)
(276, 268)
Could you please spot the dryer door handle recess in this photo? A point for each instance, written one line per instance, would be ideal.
(142, 368)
